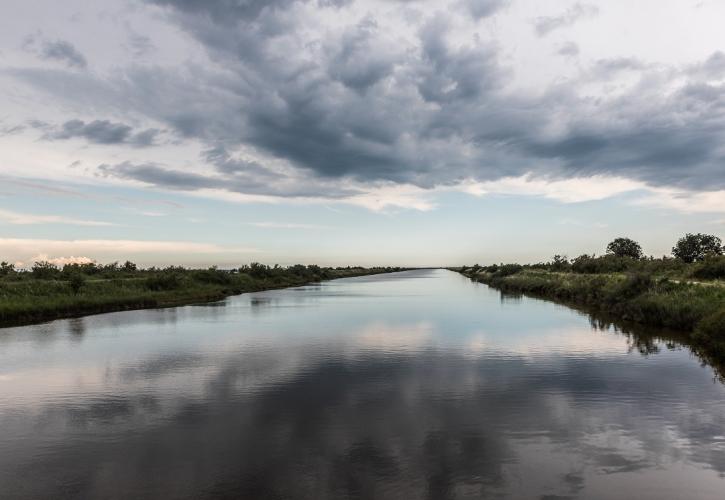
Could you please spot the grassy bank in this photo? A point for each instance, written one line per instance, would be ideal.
(668, 298)
(49, 293)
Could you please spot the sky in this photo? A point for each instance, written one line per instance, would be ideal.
(357, 132)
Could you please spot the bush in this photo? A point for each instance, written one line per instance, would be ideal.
(163, 281)
(507, 270)
(559, 263)
(633, 285)
(213, 276)
(76, 282)
(711, 330)
(585, 264)
(710, 269)
(45, 271)
(6, 268)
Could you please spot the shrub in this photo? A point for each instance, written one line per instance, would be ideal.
(713, 267)
(76, 282)
(213, 276)
(507, 270)
(711, 330)
(559, 263)
(6, 268)
(44, 270)
(634, 284)
(163, 281)
(585, 264)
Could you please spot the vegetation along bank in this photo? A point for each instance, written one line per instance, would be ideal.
(685, 292)
(48, 292)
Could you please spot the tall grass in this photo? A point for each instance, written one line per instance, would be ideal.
(25, 298)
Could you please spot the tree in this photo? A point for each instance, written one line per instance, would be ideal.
(625, 247)
(45, 270)
(695, 247)
(6, 268)
(559, 263)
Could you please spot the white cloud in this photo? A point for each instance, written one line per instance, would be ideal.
(17, 218)
(573, 190)
(686, 201)
(58, 261)
(286, 225)
(25, 250)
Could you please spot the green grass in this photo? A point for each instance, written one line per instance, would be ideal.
(25, 299)
(695, 309)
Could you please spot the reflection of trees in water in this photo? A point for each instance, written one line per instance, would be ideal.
(77, 328)
(648, 341)
(643, 339)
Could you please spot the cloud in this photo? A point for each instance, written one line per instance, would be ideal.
(140, 45)
(17, 218)
(569, 49)
(57, 50)
(103, 132)
(484, 8)
(546, 24)
(371, 108)
(59, 261)
(574, 190)
(25, 249)
(286, 225)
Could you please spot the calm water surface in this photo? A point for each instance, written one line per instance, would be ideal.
(412, 385)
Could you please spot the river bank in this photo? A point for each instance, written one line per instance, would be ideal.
(27, 299)
(694, 308)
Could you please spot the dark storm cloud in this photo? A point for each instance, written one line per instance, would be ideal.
(227, 11)
(235, 176)
(358, 104)
(103, 132)
(358, 63)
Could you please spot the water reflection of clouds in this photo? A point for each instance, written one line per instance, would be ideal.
(386, 408)
(430, 425)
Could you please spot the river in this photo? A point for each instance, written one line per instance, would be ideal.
(418, 384)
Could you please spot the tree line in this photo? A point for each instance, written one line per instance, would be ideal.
(698, 255)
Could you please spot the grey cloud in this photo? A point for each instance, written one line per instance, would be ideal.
(158, 176)
(226, 11)
(57, 50)
(569, 49)
(465, 73)
(140, 44)
(619, 64)
(712, 67)
(103, 132)
(233, 176)
(353, 107)
(359, 62)
(546, 24)
(484, 8)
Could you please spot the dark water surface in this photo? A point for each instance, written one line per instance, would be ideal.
(412, 385)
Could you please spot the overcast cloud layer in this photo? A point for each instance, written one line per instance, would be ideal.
(331, 99)
(306, 110)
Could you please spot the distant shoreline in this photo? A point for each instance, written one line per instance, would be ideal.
(33, 301)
